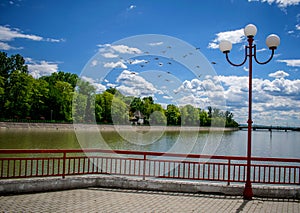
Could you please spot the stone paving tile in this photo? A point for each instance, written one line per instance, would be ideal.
(117, 200)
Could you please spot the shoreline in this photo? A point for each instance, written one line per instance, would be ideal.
(106, 127)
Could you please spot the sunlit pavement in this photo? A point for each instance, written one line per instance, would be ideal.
(116, 200)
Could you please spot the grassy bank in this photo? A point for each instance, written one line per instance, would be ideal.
(103, 127)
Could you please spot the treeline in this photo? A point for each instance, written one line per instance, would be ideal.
(65, 97)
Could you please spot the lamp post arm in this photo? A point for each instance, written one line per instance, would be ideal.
(267, 61)
(237, 65)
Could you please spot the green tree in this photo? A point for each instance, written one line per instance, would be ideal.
(63, 96)
(84, 102)
(189, 116)
(60, 95)
(230, 122)
(61, 76)
(39, 96)
(18, 95)
(119, 112)
(104, 100)
(2, 90)
(173, 115)
(136, 105)
(10, 64)
(204, 118)
(7, 66)
(157, 116)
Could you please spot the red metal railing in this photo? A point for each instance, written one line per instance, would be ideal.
(44, 163)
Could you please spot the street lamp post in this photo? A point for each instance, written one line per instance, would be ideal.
(272, 42)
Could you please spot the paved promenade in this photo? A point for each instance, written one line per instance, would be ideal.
(116, 200)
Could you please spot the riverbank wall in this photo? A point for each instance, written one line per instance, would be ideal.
(101, 127)
(35, 185)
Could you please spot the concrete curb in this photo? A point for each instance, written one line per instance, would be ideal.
(21, 186)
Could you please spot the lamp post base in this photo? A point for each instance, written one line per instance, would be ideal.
(248, 194)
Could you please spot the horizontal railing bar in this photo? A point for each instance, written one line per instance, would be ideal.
(66, 162)
(148, 153)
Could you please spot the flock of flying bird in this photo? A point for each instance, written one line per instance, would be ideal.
(144, 62)
(158, 61)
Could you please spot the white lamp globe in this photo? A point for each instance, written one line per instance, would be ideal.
(225, 46)
(273, 41)
(250, 30)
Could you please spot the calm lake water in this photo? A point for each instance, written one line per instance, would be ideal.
(265, 144)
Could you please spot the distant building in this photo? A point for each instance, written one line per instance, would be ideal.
(138, 118)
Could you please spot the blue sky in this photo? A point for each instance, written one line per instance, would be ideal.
(69, 36)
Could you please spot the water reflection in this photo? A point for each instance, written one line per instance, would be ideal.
(277, 144)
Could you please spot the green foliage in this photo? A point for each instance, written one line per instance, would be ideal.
(104, 100)
(83, 102)
(18, 95)
(39, 96)
(63, 96)
(189, 116)
(119, 112)
(173, 115)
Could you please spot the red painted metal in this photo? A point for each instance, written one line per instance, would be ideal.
(248, 194)
(46, 163)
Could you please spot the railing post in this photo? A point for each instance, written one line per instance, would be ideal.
(144, 169)
(64, 164)
(228, 175)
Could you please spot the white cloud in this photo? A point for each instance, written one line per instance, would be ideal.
(94, 63)
(279, 74)
(136, 61)
(9, 34)
(297, 27)
(156, 43)
(167, 97)
(118, 64)
(201, 93)
(272, 99)
(54, 40)
(261, 50)
(111, 51)
(41, 68)
(280, 3)
(291, 62)
(133, 84)
(99, 87)
(5, 46)
(131, 7)
(234, 36)
(109, 55)
(125, 49)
